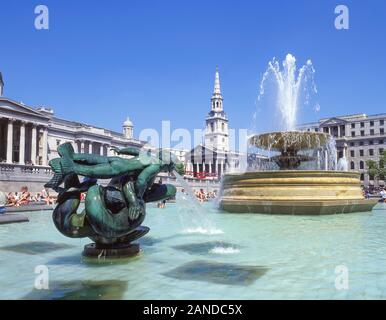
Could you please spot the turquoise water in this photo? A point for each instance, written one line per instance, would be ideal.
(253, 257)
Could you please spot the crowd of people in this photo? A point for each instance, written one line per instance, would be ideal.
(203, 196)
(24, 197)
(375, 192)
(382, 193)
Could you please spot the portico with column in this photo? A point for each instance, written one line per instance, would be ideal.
(18, 142)
(89, 146)
(19, 138)
(22, 143)
(30, 137)
(203, 162)
(10, 141)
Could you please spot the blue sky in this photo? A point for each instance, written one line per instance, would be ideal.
(155, 60)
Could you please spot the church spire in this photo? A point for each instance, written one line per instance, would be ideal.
(217, 89)
(217, 97)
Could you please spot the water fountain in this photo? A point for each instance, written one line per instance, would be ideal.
(291, 190)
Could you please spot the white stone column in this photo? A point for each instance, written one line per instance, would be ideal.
(90, 147)
(45, 146)
(101, 150)
(338, 131)
(10, 141)
(33, 144)
(75, 146)
(82, 146)
(210, 167)
(22, 144)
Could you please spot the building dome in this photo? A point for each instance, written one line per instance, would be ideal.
(128, 129)
(128, 123)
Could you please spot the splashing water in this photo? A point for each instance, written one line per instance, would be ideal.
(205, 231)
(289, 84)
(224, 250)
(331, 159)
(291, 89)
(321, 153)
(199, 220)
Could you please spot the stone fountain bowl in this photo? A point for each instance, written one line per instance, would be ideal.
(290, 140)
(294, 192)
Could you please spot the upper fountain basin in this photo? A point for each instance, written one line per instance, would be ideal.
(290, 140)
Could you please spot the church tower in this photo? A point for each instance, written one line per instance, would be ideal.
(216, 131)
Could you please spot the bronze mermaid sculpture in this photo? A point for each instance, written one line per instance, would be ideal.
(113, 214)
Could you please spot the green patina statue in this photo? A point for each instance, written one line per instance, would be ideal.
(113, 214)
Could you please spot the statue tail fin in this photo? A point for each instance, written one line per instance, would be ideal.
(67, 165)
(61, 166)
(56, 166)
(66, 150)
(57, 179)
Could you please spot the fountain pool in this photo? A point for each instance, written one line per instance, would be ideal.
(256, 257)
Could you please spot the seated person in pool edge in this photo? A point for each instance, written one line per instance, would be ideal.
(382, 193)
(25, 196)
(143, 166)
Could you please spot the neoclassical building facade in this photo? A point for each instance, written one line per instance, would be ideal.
(360, 137)
(29, 138)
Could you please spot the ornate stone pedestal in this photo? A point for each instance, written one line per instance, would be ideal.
(123, 248)
(294, 192)
(116, 251)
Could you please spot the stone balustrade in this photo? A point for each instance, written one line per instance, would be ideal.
(14, 176)
(193, 183)
(18, 169)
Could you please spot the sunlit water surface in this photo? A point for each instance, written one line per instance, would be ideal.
(254, 257)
